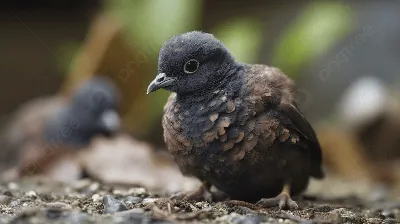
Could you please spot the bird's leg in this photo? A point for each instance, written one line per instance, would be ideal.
(203, 193)
(283, 200)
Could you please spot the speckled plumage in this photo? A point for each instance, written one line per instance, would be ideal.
(244, 134)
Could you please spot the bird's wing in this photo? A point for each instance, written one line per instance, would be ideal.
(298, 122)
(294, 120)
(275, 91)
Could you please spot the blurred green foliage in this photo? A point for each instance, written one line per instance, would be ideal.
(151, 22)
(317, 29)
(67, 53)
(242, 36)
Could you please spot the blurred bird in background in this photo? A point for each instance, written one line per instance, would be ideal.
(363, 141)
(69, 138)
(370, 109)
(46, 133)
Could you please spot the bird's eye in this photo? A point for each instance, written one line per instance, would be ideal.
(191, 66)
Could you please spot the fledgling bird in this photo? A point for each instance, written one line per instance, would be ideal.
(233, 125)
(47, 133)
(369, 110)
(92, 110)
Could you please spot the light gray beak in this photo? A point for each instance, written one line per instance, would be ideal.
(160, 81)
(110, 120)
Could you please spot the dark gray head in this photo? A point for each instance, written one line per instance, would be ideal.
(192, 62)
(92, 111)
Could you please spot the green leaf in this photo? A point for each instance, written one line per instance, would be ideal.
(317, 29)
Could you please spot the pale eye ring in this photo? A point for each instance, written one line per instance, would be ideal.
(191, 66)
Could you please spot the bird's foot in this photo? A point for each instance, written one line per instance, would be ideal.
(203, 193)
(200, 194)
(283, 200)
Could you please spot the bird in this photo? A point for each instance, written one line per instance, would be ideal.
(233, 125)
(49, 131)
(92, 110)
(368, 111)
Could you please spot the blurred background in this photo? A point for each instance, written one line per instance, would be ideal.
(344, 55)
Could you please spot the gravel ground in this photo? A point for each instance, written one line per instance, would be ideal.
(35, 200)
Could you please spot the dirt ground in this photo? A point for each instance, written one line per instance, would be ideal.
(34, 200)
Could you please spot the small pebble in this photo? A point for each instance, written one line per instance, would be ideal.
(15, 203)
(13, 186)
(149, 200)
(119, 192)
(5, 200)
(137, 191)
(46, 196)
(77, 195)
(8, 193)
(96, 198)
(374, 221)
(194, 209)
(112, 205)
(59, 205)
(388, 214)
(54, 213)
(81, 184)
(200, 204)
(31, 194)
(133, 200)
(94, 186)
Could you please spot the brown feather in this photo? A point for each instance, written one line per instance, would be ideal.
(255, 138)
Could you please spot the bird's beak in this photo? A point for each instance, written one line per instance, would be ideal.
(110, 120)
(161, 80)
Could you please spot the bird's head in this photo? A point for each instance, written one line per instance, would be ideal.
(96, 102)
(92, 110)
(192, 62)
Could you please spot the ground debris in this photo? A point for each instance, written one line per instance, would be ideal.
(88, 201)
